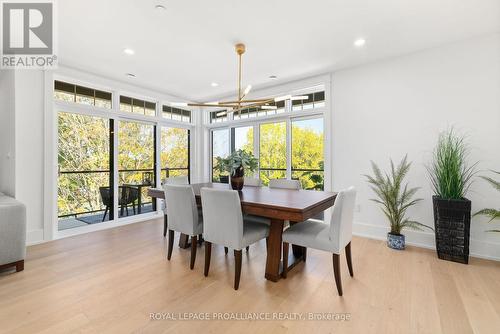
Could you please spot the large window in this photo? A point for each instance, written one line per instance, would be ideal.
(272, 151)
(242, 139)
(174, 154)
(85, 177)
(308, 152)
(136, 166)
(220, 148)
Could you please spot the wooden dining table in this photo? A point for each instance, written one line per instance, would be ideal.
(278, 205)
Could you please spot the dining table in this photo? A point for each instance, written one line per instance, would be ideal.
(278, 205)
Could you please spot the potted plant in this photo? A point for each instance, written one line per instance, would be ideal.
(395, 198)
(492, 214)
(451, 176)
(236, 164)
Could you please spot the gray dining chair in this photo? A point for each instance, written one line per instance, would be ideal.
(285, 184)
(331, 237)
(224, 225)
(252, 181)
(171, 180)
(183, 216)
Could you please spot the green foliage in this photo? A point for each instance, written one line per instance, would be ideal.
(450, 173)
(236, 160)
(394, 198)
(492, 214)
(84, 146)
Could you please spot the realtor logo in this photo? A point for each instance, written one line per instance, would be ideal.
(28, 35)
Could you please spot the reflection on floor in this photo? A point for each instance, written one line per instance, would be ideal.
(95, 218)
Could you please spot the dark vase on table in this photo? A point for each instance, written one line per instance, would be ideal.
(237, 178)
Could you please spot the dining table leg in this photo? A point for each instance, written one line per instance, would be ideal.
(274, 250)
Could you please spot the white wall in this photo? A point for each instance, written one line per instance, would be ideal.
(29, 148)
(7, 184)
(398, 106)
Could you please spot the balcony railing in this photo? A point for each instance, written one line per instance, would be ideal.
(165, 172)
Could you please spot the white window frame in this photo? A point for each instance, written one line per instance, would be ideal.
(53, 106)
(298, 87)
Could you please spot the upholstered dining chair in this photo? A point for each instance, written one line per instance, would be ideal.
(252, 181)
(331, 237)
(183, 216)
(285, 184)
(171, 180)
(224, 225)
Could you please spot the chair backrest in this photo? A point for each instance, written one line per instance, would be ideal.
(105, 195)
(176, 180)
(342, 218)
(285, 184)
(222, 217)
(181, 208)
(253, 181)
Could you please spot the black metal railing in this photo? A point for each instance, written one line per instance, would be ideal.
(144, 170)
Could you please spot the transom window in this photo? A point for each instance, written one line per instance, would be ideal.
(68, 92)
(137, 106)
(176, 114)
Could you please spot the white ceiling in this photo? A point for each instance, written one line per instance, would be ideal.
(184, 48)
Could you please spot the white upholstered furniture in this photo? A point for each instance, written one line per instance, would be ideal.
(183, 216)
(331, 237)
(224, 225)
(171, 180)
(12, 233)
(285, 184)
(252, 181)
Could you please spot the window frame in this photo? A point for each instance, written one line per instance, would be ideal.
(114, 116)
(288, 116)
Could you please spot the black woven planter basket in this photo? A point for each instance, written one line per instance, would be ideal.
(452, 228)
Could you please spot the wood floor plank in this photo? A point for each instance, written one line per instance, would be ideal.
(111, 281)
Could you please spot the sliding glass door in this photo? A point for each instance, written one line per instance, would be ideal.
(136, 167)
(175, 152)
(84, 173)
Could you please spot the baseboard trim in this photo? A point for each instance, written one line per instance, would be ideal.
(478, 248)
(34, 237)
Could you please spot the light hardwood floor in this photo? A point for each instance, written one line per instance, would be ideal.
(110, 281)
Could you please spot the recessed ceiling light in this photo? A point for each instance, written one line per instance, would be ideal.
(273, 77)
(359, 42)
(130, 75)
(214, 84)
(128, 51)
(160, 7)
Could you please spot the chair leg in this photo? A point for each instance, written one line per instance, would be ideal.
(200, 239)
(194, 245)
(237, 269)
(304, 254)
(226, 250)
(285, 259)
(170, 243)
(208, 253)
(349, 258)
(105, 212)
(267, 243)
(336, 272)
(165, 224)
(248, 247)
